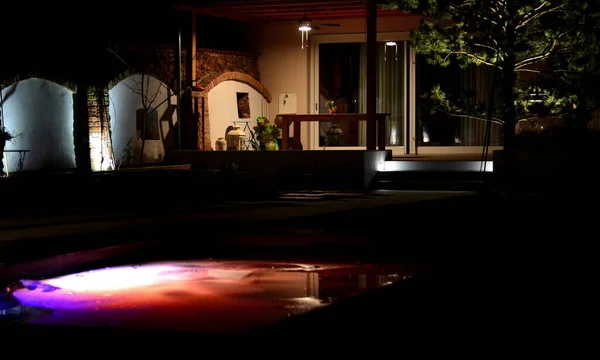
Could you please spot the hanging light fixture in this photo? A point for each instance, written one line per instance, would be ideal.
(389, 43)
(304, 28)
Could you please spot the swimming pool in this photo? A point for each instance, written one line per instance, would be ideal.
(209, 296)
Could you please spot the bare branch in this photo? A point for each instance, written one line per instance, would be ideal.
(478, 58)
(528, 70)
(533, 59)
(118, 57)
(486, 47)
(534, 14)
(137, 91)
(494, 119)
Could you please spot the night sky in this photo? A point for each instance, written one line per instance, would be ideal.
(71, 41)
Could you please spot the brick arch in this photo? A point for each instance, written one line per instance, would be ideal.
(243, 78)
(205, 140)
(126, 74)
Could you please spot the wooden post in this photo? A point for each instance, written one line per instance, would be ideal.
(193, 46)
(371, 74)
(179, 84)
(188, 111)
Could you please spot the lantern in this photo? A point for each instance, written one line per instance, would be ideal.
(236, 139)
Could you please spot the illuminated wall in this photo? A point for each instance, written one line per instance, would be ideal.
(130, 99)
(223, 107)
(43, 112)
(101, 155)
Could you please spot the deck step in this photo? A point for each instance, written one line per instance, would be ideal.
(432, 180)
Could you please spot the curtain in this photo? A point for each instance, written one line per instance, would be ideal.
(479, 80)
(390, 91)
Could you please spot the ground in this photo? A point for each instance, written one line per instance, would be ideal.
(506, 270)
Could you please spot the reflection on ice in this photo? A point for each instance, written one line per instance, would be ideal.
(197, 295)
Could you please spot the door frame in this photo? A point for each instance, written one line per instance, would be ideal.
(409, 85)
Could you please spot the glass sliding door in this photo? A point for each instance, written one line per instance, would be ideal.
(339, 81)
(342, 78)
(468, 86)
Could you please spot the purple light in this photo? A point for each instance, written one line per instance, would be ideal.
(195, 295)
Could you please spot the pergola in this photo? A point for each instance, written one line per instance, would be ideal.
(272, 11)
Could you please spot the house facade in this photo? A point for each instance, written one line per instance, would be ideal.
(133, 116)
(303, 70)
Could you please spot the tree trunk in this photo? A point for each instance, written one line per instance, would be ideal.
(510, 119)
(509, 113)
(144, 135)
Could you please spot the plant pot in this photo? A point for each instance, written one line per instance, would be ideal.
(332, 111)
(269, 146)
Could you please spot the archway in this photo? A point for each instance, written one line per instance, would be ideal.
(41, 111)
(142, 108)
(220, 96)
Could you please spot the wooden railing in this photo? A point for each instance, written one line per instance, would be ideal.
(296, 119)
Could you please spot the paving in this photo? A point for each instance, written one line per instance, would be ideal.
(287, 206)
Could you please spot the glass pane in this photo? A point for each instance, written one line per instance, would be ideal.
(469, 87)
(339, 72)
(342, 78)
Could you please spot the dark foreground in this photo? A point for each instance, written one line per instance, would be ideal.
(500, 274)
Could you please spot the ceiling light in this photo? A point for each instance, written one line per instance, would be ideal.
(305, 27)
(391, 43)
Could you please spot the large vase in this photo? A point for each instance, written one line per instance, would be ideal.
(221, 144)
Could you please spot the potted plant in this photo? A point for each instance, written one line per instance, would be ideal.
(5, 136)
(331, 106)
(267, 134)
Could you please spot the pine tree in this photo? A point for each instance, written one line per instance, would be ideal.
(512, 37)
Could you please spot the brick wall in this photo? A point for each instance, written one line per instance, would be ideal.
(203, 141)
(212, 63)
(101, 155)
(214, 67)
(159, 62)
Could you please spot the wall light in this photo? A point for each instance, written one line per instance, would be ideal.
(389, 43)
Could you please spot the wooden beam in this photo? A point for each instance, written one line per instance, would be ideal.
(301, 9)
(194, 61)
(298, 13)
(371, 74)
(232, 15)
(247, 5)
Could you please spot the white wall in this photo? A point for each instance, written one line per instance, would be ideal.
(222, 107)
(125, 100)
(43, 112)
